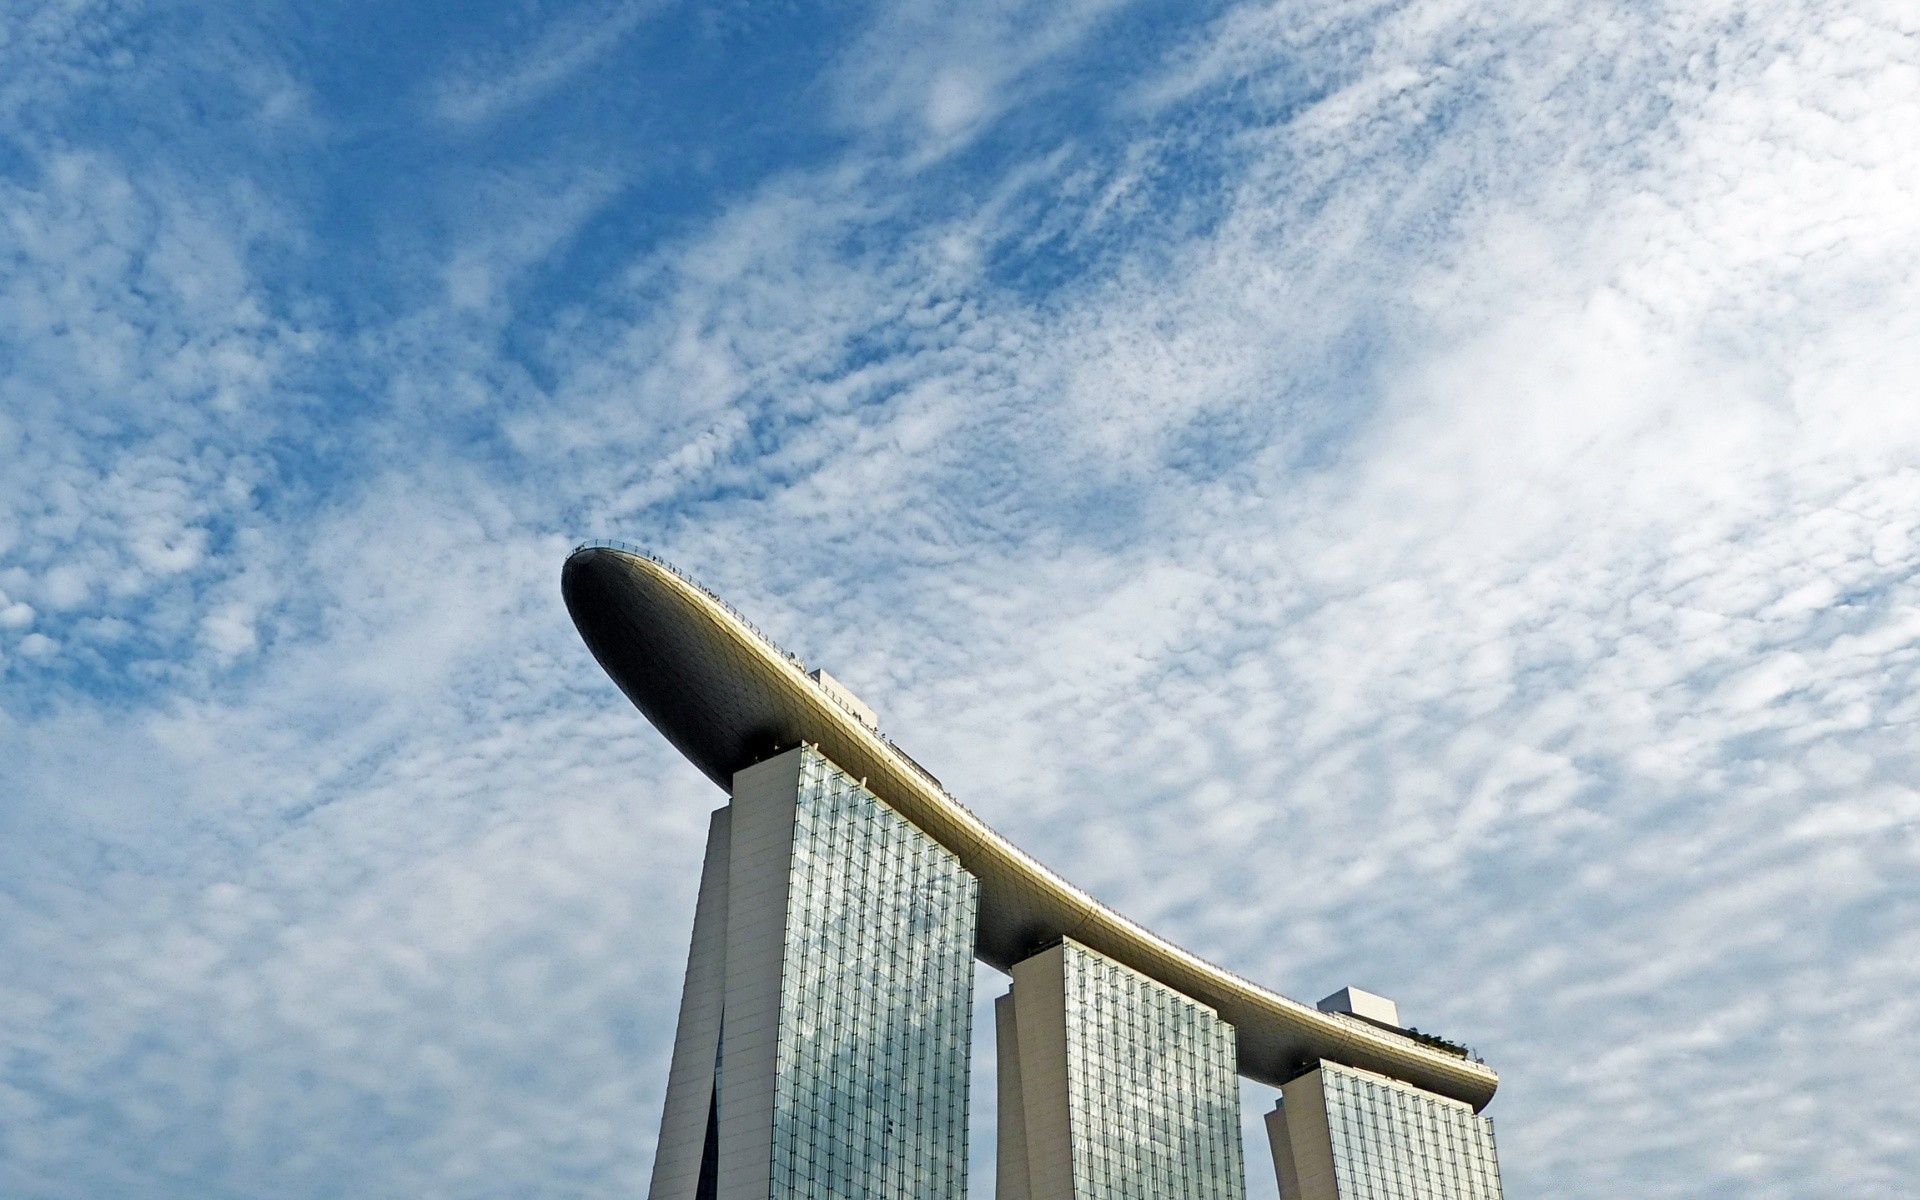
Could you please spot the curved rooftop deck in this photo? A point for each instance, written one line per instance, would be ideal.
(727, 697)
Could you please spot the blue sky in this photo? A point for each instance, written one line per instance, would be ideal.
(1414, 495)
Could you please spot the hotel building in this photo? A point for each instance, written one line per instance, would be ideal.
(822, 1049)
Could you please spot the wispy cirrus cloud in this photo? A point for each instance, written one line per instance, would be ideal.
(483, 86)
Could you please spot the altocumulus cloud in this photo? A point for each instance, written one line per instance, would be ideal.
(1410, 495)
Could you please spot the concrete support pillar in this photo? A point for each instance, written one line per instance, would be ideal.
(688, 1112)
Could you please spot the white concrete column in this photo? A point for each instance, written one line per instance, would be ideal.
(758, 882)
(1040, 1019)
(1010, 1179)
(696, 1040)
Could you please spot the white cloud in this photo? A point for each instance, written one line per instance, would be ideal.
(953, 102)
(38, 645)
(142, 368)
(930, 76)
(229, 632)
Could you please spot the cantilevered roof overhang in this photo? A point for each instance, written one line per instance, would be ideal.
(727, 697)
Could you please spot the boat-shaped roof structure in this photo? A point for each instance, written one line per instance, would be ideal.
(727, 697)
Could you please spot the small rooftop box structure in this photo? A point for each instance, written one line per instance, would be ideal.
(844, 698)
(1365, 1005)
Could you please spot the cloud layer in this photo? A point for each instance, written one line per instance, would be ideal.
(1414, 496)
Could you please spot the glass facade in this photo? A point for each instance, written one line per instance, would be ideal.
(1392, 1141)
(1153, 1098)
(876, 1002)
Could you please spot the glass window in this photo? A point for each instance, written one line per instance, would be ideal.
(1153, 1099)
(1392, 1141)
(871, 1096)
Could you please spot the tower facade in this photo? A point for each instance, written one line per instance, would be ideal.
(1345, 1134)
(1113, 1086)
(823, 1041)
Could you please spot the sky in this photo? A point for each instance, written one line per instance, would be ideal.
(1418, 495)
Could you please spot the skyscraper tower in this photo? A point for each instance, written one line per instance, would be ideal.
(822, 1046)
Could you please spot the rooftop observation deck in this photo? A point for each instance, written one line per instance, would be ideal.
(727, 697)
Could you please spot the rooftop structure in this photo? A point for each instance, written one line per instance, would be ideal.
(1365, 1005)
